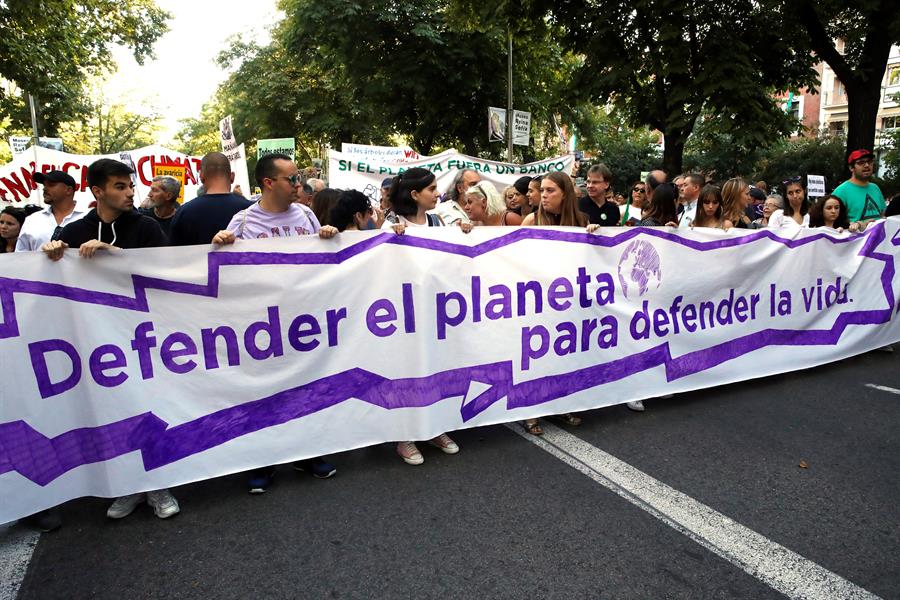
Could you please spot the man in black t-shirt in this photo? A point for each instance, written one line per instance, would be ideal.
(598, 210)
(202, 218)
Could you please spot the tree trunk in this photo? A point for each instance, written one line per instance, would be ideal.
(673, 154)
(862, 114)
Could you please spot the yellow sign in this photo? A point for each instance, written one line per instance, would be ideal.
(171, 171)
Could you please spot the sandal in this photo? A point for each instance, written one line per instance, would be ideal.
(533, 427)
(568, 419)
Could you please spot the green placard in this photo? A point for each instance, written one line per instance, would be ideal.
(275, 146)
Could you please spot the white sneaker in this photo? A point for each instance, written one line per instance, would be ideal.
(636, 406)
(164, 503)
(409, 453)
(444, 442)
(125, 505)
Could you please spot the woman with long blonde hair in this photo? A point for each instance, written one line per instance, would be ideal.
(559, 205)
(735, 200)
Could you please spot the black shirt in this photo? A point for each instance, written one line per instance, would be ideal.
(164, 224)
(130, 230)
(606, 215)
(202, 218)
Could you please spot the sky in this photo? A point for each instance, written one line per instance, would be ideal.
(184, 75)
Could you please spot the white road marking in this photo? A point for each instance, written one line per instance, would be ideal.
(883, 388)
(773, 564)
(16, 546)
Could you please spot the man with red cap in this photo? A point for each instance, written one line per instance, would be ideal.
(46, 225)
(863, 199)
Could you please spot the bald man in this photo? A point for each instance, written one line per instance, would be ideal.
(202, 218)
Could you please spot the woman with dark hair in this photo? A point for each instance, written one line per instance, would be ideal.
(11, 219)
(533, 195)
(661, 211)
(735, 200)
(559, 205)
(412, 194)
(829, 211)
(709, 208)
(322, 204)
(353, 212)
(520, 204)
(795, 212)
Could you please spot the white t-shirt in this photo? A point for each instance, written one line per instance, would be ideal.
(633, 212)
(38, 228)
(779, 221)
(688, 216)
(254, 222)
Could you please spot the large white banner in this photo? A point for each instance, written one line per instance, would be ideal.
(151, 368)
(347, 171)
(17, 185)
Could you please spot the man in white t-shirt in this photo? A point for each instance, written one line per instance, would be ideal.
(688, 194)
(59, 196)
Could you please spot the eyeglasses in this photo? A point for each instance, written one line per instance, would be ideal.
(638, 190)
(794, 179)
(293, 179)
(864, 161)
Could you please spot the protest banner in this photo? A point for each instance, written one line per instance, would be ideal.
(18, 144)
(496, 124)
(350, 172)
(175, 171)
(226, 136)
(152, 368)
(398, 154)
(815, 186)
(521, 128)
(285, 146)
(17, 186)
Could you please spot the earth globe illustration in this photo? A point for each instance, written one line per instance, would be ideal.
(639, 268)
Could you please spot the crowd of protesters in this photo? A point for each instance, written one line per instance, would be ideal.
(289, 206)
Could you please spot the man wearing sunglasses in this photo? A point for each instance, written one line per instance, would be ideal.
(46, 225)
(863, 199)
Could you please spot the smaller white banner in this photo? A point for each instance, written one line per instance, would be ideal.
(392, 153)
(496, 124)
(521, 127)
(815, 186)
(18, 144)
(226, 136)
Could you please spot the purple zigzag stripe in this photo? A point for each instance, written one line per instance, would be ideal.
(42, 460)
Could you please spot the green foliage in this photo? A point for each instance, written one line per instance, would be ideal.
(200, 135)
(110, 128)
(409, 69)
(662, 62)
(609, 140)
(49, 48)
(819, 155)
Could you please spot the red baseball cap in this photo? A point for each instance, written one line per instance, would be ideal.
(857, 155)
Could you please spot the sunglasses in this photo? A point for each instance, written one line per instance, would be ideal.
(794, 179)
(293, 179)
(637, 189)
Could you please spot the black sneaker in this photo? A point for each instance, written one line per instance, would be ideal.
(44, 521)
(317, 467)
(260, 479)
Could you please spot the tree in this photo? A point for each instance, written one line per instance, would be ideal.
(663, 62)
(111, 128)
(867, 29)
(624, 150)
(49, 47)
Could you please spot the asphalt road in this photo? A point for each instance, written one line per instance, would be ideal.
(506, 519)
